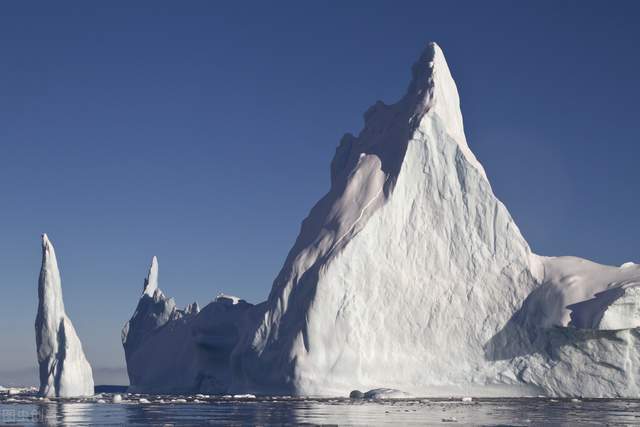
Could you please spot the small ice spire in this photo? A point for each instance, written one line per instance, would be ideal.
(64, 370)
(151, 282)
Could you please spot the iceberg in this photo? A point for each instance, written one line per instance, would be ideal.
(408, 275)
(64, 369)
(169, 350)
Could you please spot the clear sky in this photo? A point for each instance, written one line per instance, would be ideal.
(202, 132)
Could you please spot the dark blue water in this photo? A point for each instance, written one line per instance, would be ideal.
(27, 410)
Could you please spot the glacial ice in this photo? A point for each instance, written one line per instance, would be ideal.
(169, 350)
(64, 369)
(409, 274)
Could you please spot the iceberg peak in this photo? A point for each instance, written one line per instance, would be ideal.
(436, 92)
(151, 281)
(45, 240)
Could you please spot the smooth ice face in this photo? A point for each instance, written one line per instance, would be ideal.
(408, 275)
(64, 370)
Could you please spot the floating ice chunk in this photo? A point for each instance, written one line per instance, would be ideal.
(385, 393)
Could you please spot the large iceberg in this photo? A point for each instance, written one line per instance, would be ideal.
(408, 274)
(64, 369)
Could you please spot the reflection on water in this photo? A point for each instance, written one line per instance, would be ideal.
(220, 411)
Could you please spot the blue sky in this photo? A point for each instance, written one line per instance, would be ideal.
(202, 132)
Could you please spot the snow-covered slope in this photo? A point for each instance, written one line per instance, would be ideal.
(64, 370)
(410, 274)
(585, 295)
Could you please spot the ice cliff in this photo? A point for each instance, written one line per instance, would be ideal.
(408, 274)
(64, 370)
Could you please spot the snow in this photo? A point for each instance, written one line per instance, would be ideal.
(578, 293)
(409, 274)
(64, 369)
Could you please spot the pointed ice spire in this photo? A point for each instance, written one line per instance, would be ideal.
(151, 282)
(50, 286)
(433, 83)
(64, 370)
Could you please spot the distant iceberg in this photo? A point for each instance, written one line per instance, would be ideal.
(408, 275)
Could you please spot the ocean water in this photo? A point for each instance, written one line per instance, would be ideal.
(26, 409)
